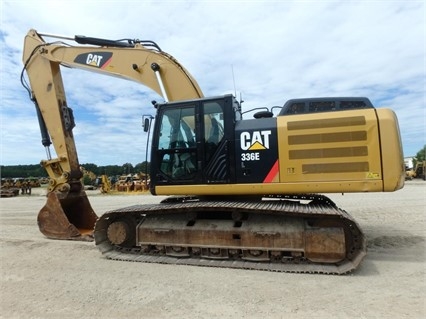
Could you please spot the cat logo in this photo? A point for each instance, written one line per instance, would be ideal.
(255, 141)
(95, 59)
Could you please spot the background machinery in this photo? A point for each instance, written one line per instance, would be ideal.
(245, 191)
(420, 170)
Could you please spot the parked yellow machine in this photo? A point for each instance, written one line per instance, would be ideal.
(420, 170)
(246, 191)
(105, 184)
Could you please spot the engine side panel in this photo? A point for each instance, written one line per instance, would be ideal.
(329, 147)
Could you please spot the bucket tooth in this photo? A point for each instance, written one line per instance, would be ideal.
(67, 216)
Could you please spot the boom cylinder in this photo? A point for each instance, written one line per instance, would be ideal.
(156, 68)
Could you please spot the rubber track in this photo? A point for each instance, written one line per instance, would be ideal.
(324, 209)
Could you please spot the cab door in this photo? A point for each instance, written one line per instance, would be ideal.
(190, 144)
(213, 143)
(175, 157)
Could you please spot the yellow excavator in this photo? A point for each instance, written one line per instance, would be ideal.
(243, 193)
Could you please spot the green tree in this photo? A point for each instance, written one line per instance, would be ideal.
(127, 168)
(25, 171)
(142, 167)
(91, 168)
(110, 170)
(87, 180)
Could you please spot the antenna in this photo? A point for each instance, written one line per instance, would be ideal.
(235, 89)
(233, 80)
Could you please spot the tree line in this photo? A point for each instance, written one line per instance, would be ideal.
(36, 170)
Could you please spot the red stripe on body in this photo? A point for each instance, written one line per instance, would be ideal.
(272, 173)
(106, 63)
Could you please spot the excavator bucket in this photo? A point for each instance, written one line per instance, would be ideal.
(67, 216)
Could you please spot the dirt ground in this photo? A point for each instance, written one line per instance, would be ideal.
(43, 278)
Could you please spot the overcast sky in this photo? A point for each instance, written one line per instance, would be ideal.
(275, 51)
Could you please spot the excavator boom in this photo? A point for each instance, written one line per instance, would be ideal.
(68, 213)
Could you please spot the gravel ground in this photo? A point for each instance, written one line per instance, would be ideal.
(43, 278)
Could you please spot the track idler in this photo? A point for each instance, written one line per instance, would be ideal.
(67, 216)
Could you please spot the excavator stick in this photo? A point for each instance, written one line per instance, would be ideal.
(67, 216)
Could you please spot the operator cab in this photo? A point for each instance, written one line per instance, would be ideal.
(315, 105)
(191, 141)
